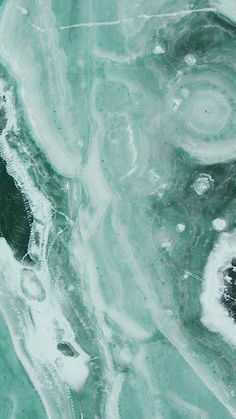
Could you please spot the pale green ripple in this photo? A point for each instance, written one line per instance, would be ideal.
(106, 319)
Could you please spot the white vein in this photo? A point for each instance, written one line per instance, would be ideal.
(129, 19)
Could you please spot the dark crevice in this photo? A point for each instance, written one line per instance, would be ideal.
(15, 214)
(67, 349)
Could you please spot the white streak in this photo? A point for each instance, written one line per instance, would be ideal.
(131, 19)
(112, 408)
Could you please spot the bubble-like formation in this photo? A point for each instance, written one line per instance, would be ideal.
(31, 286)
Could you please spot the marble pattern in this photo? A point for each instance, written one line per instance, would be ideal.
(117, 221)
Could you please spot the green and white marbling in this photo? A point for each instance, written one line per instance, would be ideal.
(117, 209)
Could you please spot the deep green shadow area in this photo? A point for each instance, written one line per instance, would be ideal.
(15, 215)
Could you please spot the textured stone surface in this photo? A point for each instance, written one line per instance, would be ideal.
(117, 209)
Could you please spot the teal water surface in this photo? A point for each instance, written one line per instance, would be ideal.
(117, 209)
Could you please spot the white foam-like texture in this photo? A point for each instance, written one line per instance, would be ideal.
(214, 315)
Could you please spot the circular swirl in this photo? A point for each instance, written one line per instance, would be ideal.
(199, 99)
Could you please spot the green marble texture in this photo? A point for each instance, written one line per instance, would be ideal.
(117, 209)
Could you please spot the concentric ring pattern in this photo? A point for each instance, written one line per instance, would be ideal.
(199, 112)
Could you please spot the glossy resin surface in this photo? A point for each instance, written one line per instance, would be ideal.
(117, 209)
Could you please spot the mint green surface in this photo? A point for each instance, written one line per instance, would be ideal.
(117, 209)
(19, 399)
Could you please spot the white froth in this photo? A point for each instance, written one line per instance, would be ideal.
(214, 315)
(180, 227)
(158, 50)
(203, 183)
(219, 224)
(190, 59)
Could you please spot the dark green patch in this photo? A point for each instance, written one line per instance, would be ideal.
(15, 216)
(66, 349)
(3, 119)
